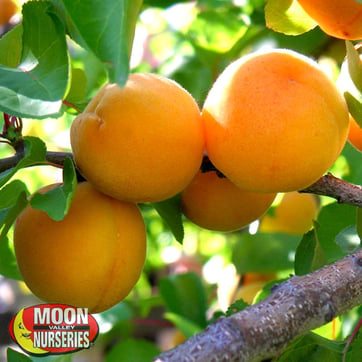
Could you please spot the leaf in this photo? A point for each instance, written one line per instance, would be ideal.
(309, 255)
(313, 348)
(170, 212)
(287, 17)
(354, 65)
(77, 91)
(8, 265)
(131, 350)
(354, 107)
(264, 253)
(332, 219)
(56, 202)
(15, 356)
(37, 86)
(9, 215)
(355, 349)
(11, 40)
(9, 193)
(184, 294)
(35, 151)
(105, 27)
(217, 30)
(187, 327)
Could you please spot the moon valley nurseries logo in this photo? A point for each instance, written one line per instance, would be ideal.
(46, 329)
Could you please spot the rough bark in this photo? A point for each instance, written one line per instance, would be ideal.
(294, 307)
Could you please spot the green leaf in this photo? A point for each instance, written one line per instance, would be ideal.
(187, 327)
(132, 350)
(37, 86)
(184, 294)
(105, 27)
(355, 349)
(217, 30)
(77, 91)
(56, 202)
(170, 212)
(309, 255)
(354, 65)
(264, 253)
(15, 356)
(11, 40)
(354, 160)
(9, 215)
(313, 348)
(35, 151)
(9, 193)
(354, 107)
(288, 17)
(8, 265)
(332, 219)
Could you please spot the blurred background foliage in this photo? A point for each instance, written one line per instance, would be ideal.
(184, 285)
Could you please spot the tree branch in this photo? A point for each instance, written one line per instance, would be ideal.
(342, 191)
(56, 158)
(294, 307)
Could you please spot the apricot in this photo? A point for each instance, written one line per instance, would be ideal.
(294, 214)
(90, 259)
(355, 134)
(8, 8)
(274, 122)
(340, 19)
(217, 204)
(140, 143)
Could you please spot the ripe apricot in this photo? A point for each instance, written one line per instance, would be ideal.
(340, 19)
(90, 259)
(294, 214)
(140, 143)
(8, 9)
(274, 122)
(355, 134)
(217, 204)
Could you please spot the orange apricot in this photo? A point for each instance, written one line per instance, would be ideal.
(294, 214)
(274, 122)
(8, 8)
(91, 259)
(340, 19)
(143, 142)
(355, 134)
(217, 204)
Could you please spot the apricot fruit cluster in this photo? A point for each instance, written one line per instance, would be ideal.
(272, 122)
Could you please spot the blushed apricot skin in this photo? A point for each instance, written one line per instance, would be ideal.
(338, 18)
(91, 259)
(274, 122)
(294, 214)
(217, 204)
(141, 143)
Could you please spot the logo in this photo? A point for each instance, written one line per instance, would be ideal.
(47, 329)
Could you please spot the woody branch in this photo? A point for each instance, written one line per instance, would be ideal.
(294, 307)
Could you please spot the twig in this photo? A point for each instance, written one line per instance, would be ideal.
(263, 330)
(55, 158)
(343, 191)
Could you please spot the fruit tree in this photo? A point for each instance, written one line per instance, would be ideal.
(188, 171)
